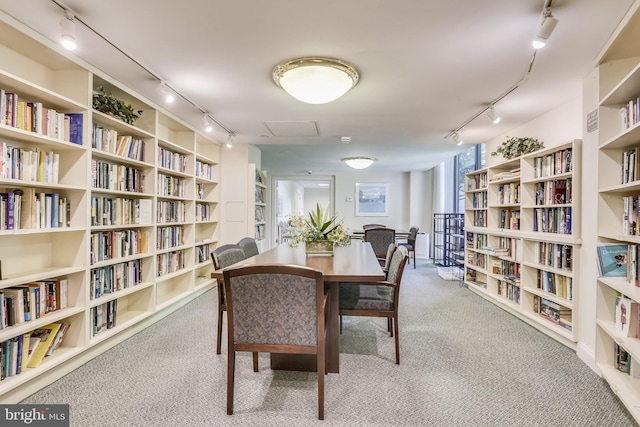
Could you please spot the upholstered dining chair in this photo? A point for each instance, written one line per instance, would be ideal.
(411, 243)
(249, 246)
(224, 256)
(390, 250)
(275, 309)
(380, 238)
(377, 299)
(368, 226)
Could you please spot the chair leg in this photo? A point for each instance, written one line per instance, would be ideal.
(321, 373)
(340, 324)
(414, 259)
(219, 343)
(395, 326)
(390, 326)
(231, 369)
(255, 361)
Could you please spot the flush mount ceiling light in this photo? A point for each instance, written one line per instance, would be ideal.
(315, 80)
(358, 162)
(546, 28)
(68, 31)
(493, 116)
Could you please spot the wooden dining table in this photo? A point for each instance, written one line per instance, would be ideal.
(348, 264)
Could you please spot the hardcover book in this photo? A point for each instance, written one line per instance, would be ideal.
(46, 334)
(612, 260)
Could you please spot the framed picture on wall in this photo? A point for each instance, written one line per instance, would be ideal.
(372, 199)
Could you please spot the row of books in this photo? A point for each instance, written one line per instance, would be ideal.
(479, 200)
(554, 312)
(476, 278)
(171, 160)
(204, 170)
(629, 114)
(480, 218)
(260, 196)
(31, 301)
(509, 288)
(200, 191)
(557, 284)
(259, 214)
(35, 117)
(31, 210)
(553, 192)
(509, 219)
(477, 182)
(556, 255)
(170, 186)
(552, 164)
(107, 245)
(107, 211)
(27, 350)
(169, 237)
(109, 141)
(476, 259)
(631, 215)
(260, 232)
(202, 253)
(476, 240)
(103, 317)
(261, 177)
(28, 165)
(113, 278)
(170, 262)
(506, 174)
(503, 267)
(168, 211)
(552, 220)
(203, 212)
(623, 362)
(509, 194)
(630, 165)
(109, 176)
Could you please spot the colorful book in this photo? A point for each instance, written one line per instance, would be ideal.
(612, 260)
(46, 334)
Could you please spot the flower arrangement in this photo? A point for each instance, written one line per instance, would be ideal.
(517, 146)
(107, 103)
(318, 226)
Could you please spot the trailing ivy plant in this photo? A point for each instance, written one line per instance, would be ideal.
(517, 146)
(107, 103)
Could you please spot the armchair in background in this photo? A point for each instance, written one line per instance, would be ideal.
(380, 239)
(224, 256)
(411, 243)
(249, 246)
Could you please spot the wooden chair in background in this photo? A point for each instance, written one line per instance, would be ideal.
(411, 243)
(377, 299)
(249, 246)
(224, 256)
(380, 239)
(275, 309)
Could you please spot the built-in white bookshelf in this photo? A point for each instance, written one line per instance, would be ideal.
(617, 223)
(129, 211)
(521, 246)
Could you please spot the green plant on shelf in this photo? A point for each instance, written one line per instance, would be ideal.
(517, 146)
(107, 103)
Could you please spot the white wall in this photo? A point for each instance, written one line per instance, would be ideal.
(313, 196)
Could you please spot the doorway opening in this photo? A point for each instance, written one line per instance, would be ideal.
(297, 195)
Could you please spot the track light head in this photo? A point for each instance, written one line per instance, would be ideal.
(493, 116)
(230, 140)
(547, 26)
(207, 125)
(456, 138)
(68, 31)
(167, 94)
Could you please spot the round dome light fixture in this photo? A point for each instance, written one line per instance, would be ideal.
(315, 80)
(358, 162)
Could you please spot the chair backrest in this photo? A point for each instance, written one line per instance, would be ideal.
(368, 226)
(274, 305)
(249, 246)
(390, 250)
(396, 266)
(380, 238)
(226, 255)
(413, 233)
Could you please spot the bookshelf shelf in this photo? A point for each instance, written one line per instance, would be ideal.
(503, 256)
(105, 153)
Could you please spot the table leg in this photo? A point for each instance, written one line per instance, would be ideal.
(333, 331)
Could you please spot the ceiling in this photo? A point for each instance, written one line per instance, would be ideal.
(426, 67)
